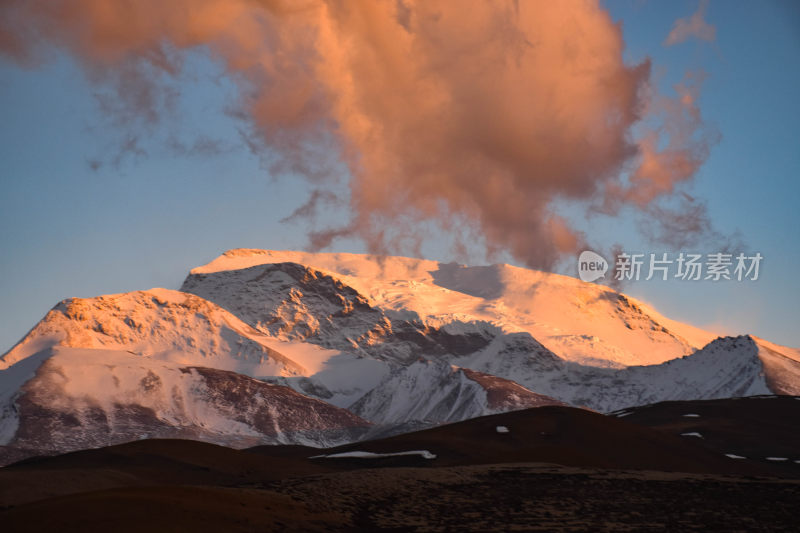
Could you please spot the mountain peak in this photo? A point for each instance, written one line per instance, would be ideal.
(400, 342)
(579, 321)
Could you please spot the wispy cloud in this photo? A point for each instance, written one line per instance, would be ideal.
(488, 114)
(694, 26)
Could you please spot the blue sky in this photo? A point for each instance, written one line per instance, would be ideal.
(68, 230)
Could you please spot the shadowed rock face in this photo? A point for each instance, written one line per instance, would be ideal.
(273, 410)
(301, 303)
(505, 395)
(435, 392)
(289, 300)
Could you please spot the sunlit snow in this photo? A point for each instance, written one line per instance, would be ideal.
(425, 454)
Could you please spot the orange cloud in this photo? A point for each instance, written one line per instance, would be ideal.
(477, 115)
(694, 26)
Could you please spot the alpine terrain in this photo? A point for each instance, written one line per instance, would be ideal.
(281, 347)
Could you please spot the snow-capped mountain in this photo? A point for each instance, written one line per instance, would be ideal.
(580, 343)
(262, 347)
(580, 322)
(80, 398)
(161, 324)
(296, 302)
(432, 390)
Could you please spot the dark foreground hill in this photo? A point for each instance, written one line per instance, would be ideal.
(546, 469)
(758, 429)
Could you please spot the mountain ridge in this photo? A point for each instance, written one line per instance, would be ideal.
(442, 344)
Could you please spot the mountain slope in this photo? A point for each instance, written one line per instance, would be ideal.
(727, 367)
(79, 398)
(578, 321)
(296, 302)
(443, 302)
(119, 367)
(161, 324)
(401, 343)
(434, 391)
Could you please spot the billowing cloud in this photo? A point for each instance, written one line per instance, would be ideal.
(695, 26)
(477, 116)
